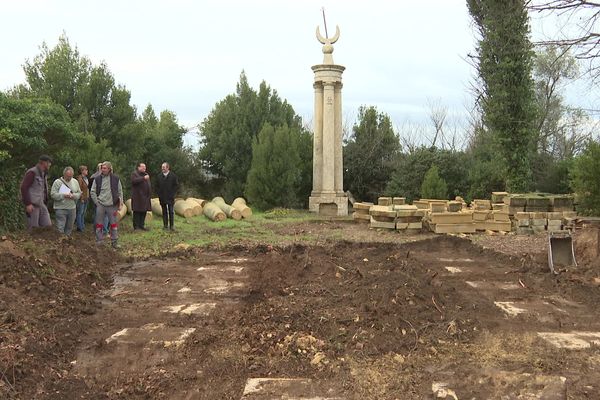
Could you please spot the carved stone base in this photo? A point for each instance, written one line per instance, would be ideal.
(331, 205)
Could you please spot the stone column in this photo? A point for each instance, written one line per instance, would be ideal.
(339, 160)
(328, 138)
(318, 140)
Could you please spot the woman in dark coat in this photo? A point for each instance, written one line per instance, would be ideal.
(140, 196)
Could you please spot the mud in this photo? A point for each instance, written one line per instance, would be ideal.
(420, 320)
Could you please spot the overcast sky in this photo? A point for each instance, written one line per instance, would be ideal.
(186, 55)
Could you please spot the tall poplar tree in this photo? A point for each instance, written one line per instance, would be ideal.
(507, 97)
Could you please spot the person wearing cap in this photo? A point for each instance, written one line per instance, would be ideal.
(34, 193)
(65, 192)
(107, 194)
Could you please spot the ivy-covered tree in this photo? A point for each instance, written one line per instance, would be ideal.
(231, 127)
(369, 154)
(506, 88)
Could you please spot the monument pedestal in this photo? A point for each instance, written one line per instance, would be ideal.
(328, 204)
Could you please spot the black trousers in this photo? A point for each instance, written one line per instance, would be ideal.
(139, 219)
(168, 214)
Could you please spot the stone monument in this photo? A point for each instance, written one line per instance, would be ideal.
(328, 196)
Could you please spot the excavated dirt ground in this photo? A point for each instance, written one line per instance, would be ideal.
(442, 317)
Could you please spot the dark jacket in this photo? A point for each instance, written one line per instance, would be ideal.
(140, 192)
(166, 187)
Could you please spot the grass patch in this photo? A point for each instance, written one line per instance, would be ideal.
(200, 231)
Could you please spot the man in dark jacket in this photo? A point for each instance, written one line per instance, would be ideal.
(34, 193)
(140, 196)
(107, 194)
(166, 188)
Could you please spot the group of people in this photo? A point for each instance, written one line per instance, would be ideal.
(71, 197)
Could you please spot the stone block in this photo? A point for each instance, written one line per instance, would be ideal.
(361, 217)
(481, 215)
(451, 218)
(523, 222)
(455, 228)
(480, 225)
(421, 204)
(437, 207)
(382, 224)
(384, 201)
(454, 206)
(498, 197)
(500, 207)
(501, 216)
(405, 210)
(538, 228)
(398, 201)
(408, 220)
(512, 210)
(382, 211)
(538, 222)
(524, 230)
(421, 213)
(362, 206)
(481, 204)
(538, 215)
(497, 226)
(400, 226)
(555, 215)
(415, 225)
(515, 201)
(522, 216)
(554, 228)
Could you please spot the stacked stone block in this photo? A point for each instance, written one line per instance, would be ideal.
(361, 212)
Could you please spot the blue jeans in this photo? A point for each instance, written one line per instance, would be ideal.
(80, 217)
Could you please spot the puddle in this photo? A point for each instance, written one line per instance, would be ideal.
(451, 260)
(235, 270)
(483, 285)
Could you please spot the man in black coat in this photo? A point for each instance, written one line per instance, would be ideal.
(140, 196)
(166, 188)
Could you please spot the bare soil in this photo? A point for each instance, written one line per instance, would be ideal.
(377, 315)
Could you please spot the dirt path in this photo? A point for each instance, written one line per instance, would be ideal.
(440, 318)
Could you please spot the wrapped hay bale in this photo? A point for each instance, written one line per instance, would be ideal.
(196, 205)
(213, 212)
(156, 208)
(240, 205)
(121, 213)
(184, 209)
(230, 211)
(202, 202)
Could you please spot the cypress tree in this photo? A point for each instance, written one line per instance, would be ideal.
(507, 97)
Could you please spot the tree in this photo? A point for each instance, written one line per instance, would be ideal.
(369, 154)
(411, 167)
(275, 175)
(585, 179)
(580, 33)
(231, 127)
(433, 186)
(506, 90)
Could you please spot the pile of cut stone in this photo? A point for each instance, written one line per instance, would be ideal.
(538, 213)
(389, 213)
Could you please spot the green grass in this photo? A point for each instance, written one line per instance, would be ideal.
(201, 232)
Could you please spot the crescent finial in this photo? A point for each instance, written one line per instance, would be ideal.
(336, 36)
(320, 38)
